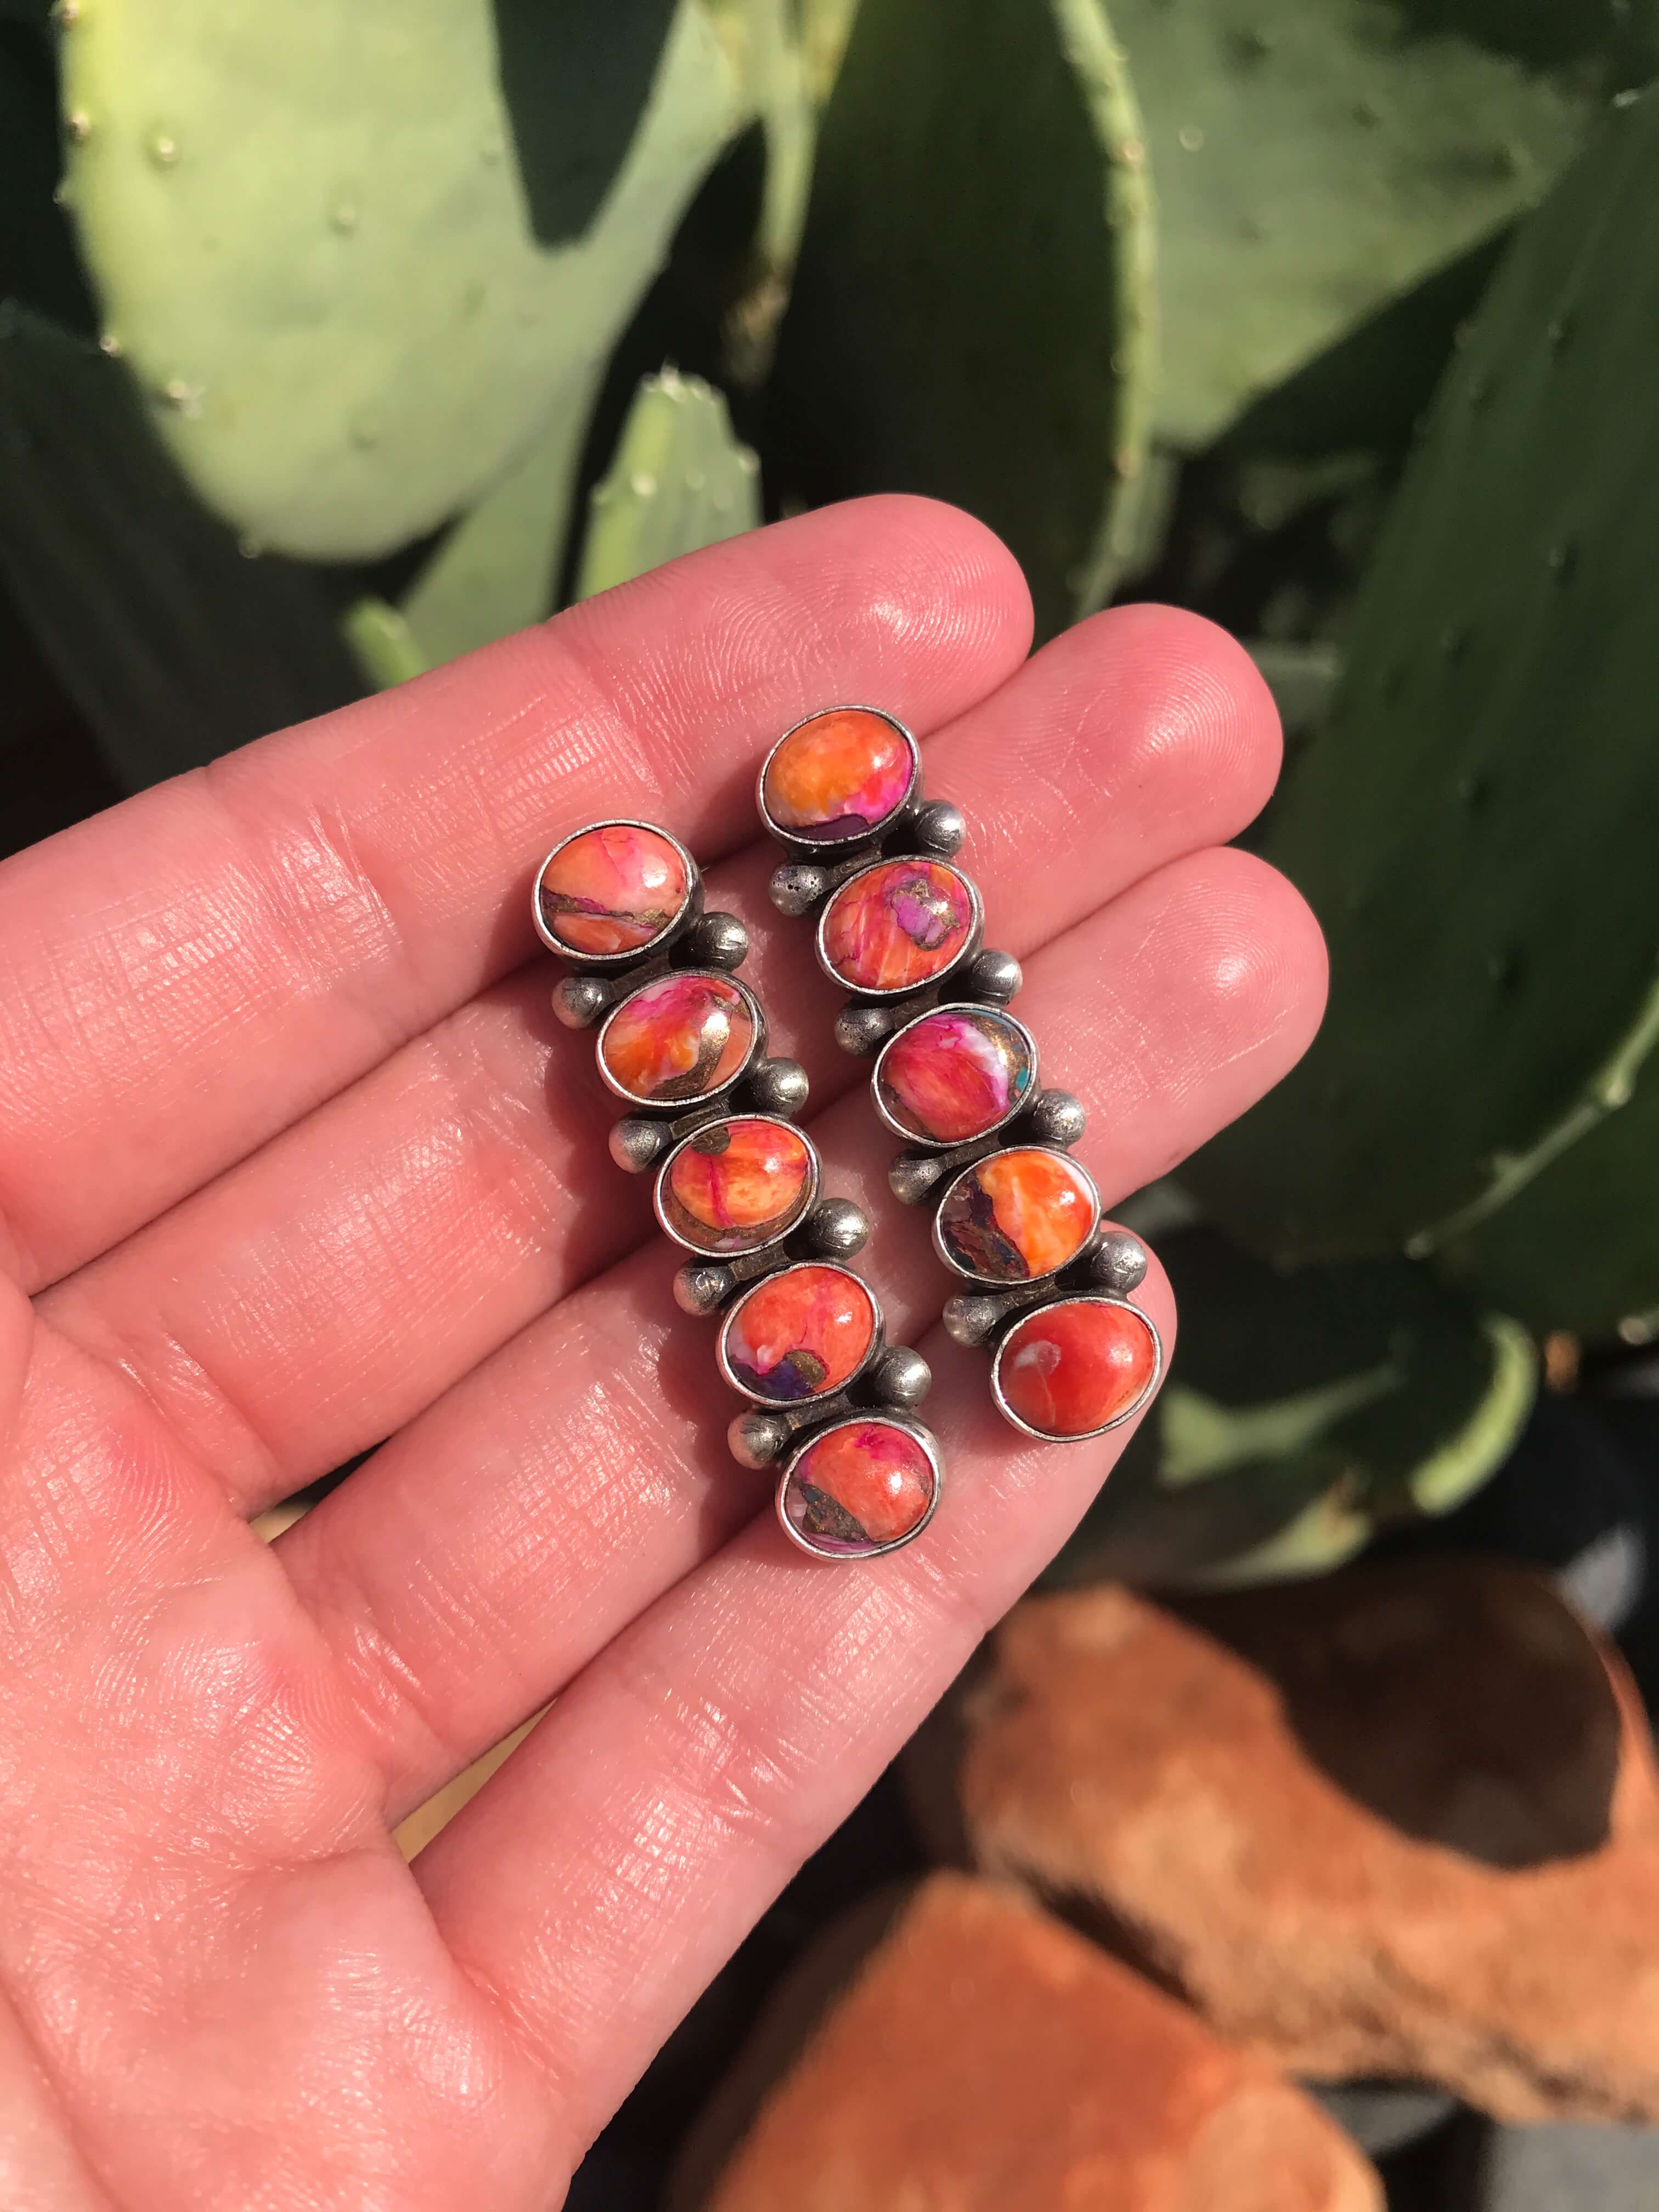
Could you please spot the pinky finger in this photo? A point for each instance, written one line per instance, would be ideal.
(613, 1865)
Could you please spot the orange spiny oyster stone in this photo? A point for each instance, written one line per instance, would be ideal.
(678, 1039)
(612, 888)
(858, 1487)
(901, 923)
(1017, 1215)
(736, 1185)
(839, 775)
(958, 1073)
(799, 1334)
(1073, 1369)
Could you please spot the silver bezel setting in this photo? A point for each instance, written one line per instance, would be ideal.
(877, 1344)
(793, 838)
(674, 1106)
(1004, 1282)
(808, 1197)
(912, 1429)
(978, 1013)
(1138, 1405)
(970, 942)
(669, 930)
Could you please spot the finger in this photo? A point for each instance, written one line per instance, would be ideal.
(482, 1558)
(185, 975)
(616, 1859)
(372, 1255)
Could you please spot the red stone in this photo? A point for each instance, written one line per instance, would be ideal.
(857, 1489)
(1073, 1369)
(737, 1185)
(955, 1074)
(801, 1333)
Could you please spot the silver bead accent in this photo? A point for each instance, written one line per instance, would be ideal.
(797, 885)
(637, 1144)
(718, 941)
(1054, 1117)
(1119, 1262)
(993, 977)
(579, 1000)
(778, 1086)
(864, 1029)
(969, 1321)
(701, 1285)
(901, 1377)
(941, 828)
(913, 1177)
(758, 1439)
(835, 1228)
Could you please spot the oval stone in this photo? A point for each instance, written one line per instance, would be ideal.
(897, 925)
(958, 1073)
(737, 1185)
(1017, 1216)
(800, 1333)
(840, 775)
(615, 888)
(1076, 1368)
(857, 1490)
(678, 1040)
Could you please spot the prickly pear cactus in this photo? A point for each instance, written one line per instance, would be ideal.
(1473, 827)
(317, 235)
(1312, 159)
(972, 312)
(678, 481)
(1578, 1248)
(1305, 1411)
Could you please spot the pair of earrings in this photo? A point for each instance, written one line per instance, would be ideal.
(681, 1043)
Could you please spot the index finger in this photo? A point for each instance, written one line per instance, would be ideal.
(183, 976)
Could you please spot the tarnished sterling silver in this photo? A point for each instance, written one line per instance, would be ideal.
(900, 926)
(681, 1043)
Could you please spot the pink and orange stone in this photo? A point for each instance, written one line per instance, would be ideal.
(678, 1039)
(839, 775)
(858, 1487)
(799, 1334)
(1017, 1216)
(1072, 1369)
(612, 889)
(736, 1185)
(897, 925)
(958, 1073)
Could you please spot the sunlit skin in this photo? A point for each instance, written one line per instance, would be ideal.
(293, 1158)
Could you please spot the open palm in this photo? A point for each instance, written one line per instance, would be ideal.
(295, 1159)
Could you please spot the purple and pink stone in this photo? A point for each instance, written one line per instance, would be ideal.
(955, 1074)
(898, 925)
(839, 775)
(611, 889)
(678, 1040)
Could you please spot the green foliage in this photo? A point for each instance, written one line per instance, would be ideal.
(972, 313)
(320, 252)
(1304, 1410)
(678, 481)
(1471, 826)
(1315, 158)
(173, 643)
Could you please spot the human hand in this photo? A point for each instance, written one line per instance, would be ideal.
(293, 1158)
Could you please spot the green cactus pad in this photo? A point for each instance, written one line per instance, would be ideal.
(174, 645)
(678, 481)
(1305, 1411)
(1314, 158)
(1578, 1248)
(1473, 825)
(971, 313)
(311, 239)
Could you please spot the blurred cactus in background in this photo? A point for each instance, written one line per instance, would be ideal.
(334, 343)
